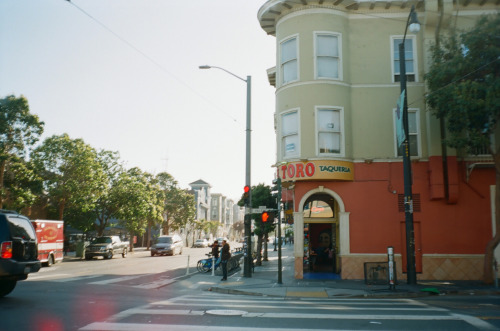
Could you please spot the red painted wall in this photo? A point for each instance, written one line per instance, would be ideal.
(461, 228)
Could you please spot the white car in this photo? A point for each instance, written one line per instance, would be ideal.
(201, 243)
(167, 245)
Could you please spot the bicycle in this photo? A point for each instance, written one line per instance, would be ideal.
(205, 265)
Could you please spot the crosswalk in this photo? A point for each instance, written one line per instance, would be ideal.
(212, 311)
(140, 281)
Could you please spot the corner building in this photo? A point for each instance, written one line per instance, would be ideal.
(337, 85)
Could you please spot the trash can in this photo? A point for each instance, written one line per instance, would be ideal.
(80, 249)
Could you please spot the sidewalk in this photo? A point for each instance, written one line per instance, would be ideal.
(264, 282)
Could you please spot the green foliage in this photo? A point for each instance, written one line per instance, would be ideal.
(464, 84)
(19, 131)
(72, 174)
(21, 184)
(110, 201)
(140, 199)
(179, 205)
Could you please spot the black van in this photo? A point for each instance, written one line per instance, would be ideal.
(18, 250)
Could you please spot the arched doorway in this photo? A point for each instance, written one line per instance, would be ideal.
(321, 237)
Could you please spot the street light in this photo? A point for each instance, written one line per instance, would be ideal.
(414, 26)
(247, 271)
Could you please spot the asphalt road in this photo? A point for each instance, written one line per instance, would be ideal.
(141, 292)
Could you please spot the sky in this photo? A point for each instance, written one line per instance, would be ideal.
(124, 76)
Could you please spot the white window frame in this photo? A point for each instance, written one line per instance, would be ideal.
(395, 48)
(341, 131)
(281, 69)
(282, 136)
(418, 133)
(339, 56)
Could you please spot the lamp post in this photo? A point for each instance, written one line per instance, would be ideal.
(414, 26)
(247, 271)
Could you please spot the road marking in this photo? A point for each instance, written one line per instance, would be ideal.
(115, 280)
(476, 322)
(156, 284)
(103, 326)
(76, 278)
(32, 277)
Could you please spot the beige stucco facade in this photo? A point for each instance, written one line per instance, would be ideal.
(364, 89)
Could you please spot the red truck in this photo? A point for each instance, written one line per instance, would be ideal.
(50, 236)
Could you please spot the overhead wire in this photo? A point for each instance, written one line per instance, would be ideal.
(150, 59)
(203, 97)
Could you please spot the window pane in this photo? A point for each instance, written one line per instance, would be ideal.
(290, 71)
(290, 124)
(412, 122)
(408, 56)
(327, 45)
(290, 145)
(328, 67)
(329, 142)
(329, 120)
(288, 50)
(413, 145)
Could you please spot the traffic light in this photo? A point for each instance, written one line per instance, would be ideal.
(246, 195)
(266, 216)
(276, 189)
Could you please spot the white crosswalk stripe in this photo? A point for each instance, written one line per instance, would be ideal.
(200, 310)
(106, 280)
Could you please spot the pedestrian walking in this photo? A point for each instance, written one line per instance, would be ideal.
(225, 256)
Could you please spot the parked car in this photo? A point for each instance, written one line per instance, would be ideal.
(18, 250)
(201, 243)
(167, 245)
(106, 247)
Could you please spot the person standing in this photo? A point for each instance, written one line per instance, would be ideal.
(215, 250)
(225, 256)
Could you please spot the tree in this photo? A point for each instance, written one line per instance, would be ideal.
(464, 90)
(261, 196)
(144, 203)
(19, 131)
(179, 205)
(21, 185)
(110, 201)
(72, 174)
(180, 209)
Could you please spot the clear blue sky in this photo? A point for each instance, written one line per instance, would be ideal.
(133, 85)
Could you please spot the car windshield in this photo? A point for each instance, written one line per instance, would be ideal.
(102, 240)
(200, 240)
(165, 240)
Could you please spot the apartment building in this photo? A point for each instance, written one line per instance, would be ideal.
(337, 83)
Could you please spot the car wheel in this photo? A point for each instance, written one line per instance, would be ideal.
(88, 257)
(109, 255)
(7, 286)
(152, 254)
(50, 261)
(180, 253)
(124, 253)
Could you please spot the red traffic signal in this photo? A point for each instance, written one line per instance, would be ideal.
(246, 195)
(265, 216)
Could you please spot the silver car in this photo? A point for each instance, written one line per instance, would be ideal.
(167, 245)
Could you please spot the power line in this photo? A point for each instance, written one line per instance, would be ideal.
(150, 59)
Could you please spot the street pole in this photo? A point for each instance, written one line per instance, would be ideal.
(247, 263)
(280, 271)
(408, 195)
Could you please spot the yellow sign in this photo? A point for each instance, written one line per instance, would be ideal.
(317, 170)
